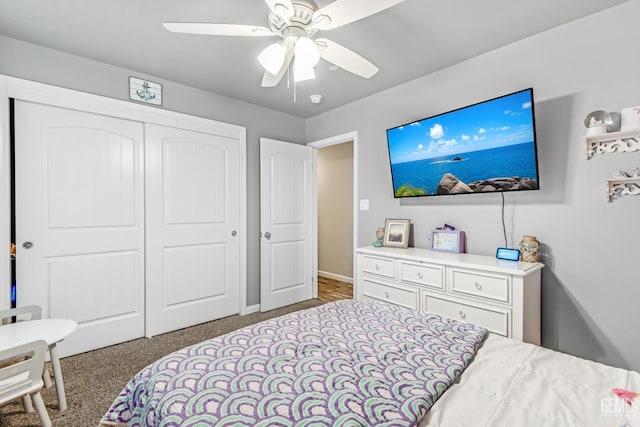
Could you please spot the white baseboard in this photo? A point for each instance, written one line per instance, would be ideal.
(256, 308)
(336, 277)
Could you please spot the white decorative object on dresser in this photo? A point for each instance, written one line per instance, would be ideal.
(503, 296)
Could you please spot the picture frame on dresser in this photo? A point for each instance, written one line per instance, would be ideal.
(447, 241)
(396, 233)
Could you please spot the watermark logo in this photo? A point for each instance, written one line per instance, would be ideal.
(615, 406)
(622, 404)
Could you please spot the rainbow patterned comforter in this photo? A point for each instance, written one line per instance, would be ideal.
(346, 363)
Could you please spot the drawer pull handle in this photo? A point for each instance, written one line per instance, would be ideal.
(420, 276)
(462, 315)
(478, 286)
(377, 267)
(386, 294)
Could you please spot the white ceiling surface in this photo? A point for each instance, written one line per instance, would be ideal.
(412, 39)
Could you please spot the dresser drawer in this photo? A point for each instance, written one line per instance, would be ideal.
(404, 296)
(495, 287)
(422, 274)
(495, 320)
(380, 266)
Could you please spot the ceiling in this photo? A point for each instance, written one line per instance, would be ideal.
(412, 39)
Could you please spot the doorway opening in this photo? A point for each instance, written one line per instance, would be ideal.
(335, 215)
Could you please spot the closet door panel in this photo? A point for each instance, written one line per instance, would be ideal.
(192, 219)
(195, 177)
(80, 222)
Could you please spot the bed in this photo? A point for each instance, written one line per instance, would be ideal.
(352, 363)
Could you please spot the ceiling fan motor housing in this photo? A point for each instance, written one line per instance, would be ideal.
(300, 20)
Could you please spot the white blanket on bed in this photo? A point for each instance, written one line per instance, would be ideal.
(510, 383)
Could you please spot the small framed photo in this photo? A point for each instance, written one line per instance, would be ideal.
(447, 241)
(396, 233)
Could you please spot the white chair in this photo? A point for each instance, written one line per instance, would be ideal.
(21, 376)
(29, 312)
(52, 331)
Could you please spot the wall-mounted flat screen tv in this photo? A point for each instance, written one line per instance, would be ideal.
(482, 148)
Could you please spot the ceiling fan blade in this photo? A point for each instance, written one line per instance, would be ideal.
(217, 29)
(282, 8)
(346, 58)
(341, 12)
(272, 80)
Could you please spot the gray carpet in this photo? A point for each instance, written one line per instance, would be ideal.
(93, 379)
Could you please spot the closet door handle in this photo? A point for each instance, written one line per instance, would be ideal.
(27, 245)
(267, 235)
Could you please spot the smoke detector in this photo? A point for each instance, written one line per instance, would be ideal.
(316, 99)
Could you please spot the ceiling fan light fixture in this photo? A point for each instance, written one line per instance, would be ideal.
(307, 53)
(272, 58)
(302, 72)
(295, 22)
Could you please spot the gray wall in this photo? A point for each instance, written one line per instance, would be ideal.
(590, 286)
(335, 209)
(32, 62)
(591, 283)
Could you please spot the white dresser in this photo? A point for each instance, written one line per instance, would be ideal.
(503, 296)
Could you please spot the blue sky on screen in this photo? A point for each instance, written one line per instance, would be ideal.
(496, 123)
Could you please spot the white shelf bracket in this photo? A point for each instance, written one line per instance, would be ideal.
(622, 142)
(619, 187)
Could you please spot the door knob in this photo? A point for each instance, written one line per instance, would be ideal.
(27, 245)
(234, 233)
(267, 235)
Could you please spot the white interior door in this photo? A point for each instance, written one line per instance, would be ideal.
(193, 219)
(286, 196)
(80, 222)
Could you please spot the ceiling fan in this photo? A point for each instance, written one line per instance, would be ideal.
(296, 22)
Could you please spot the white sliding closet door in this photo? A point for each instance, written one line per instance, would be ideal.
(193, 219)
(80, 222)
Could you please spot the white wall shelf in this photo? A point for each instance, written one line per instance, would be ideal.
(624, 141)
(621, 187)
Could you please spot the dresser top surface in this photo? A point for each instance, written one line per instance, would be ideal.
(482, 262)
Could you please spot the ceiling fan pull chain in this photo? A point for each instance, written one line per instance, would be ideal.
(289, 83)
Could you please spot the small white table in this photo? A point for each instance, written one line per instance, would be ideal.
(50, 330)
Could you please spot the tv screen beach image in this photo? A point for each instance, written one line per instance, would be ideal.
(485, 147)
